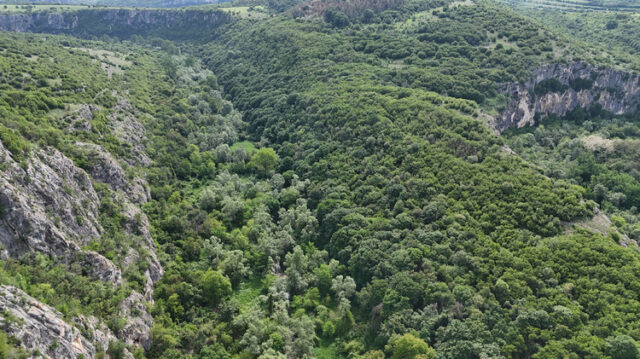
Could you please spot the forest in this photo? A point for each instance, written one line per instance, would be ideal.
(318, 179)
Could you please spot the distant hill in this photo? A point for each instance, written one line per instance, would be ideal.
(127, 3)
(578, 5)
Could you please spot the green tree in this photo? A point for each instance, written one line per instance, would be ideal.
(264, 161)
(215, 286)
(208, 199)
(623, 347)
(323, 278)
(409, 346)
(296, 263)
(5, 350)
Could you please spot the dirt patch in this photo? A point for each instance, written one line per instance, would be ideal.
(111, 62)
(600, 223)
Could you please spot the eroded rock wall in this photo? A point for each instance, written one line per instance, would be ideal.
(41, 328)
(173, 24)
(49, 205)
(617, 91)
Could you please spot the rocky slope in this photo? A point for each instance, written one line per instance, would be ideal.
(129, 192)
(41, 328)
(122, 23)
(582, 85)
(144, 3)
(49, 205)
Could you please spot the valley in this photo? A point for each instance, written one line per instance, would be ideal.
(319, 179)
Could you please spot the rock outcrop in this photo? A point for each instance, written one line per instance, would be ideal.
(124, 125)
(130, 193)
(40, 327)
(81, 118)
(105, 168)
(97, 332)
(137, 329)
(50, 206)
(30, 22)
(581, 86)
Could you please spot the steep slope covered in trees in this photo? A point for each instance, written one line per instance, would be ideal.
(319, 183)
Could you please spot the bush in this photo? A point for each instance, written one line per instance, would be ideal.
(12, 141)
(579, 84)
(215, 286)
(336, 18)
(549, 85)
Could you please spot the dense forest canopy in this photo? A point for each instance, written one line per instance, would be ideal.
(320, 179)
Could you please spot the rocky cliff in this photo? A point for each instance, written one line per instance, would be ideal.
(41, 328)
(123, 23)
(129, 192)
(49, 205)
(559, 88)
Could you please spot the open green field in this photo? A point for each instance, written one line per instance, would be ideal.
(246, 12)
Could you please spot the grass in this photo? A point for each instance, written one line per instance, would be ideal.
(110, 62)
(422, 17)
(246, 12)
(55, 82)
(247, 295)
(324, 350)
(59, 113)
(246, 145)
(576, 5)
(495, 105)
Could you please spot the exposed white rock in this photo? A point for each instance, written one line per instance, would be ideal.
(125, 125)
(50, 207)
(617, 91)
(98, 332)
(119, 21)
(105, 168)
(137, 330)
(129, 193)
(40, 327)
(80, 119)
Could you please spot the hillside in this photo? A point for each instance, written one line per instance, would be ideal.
(364, 179)
(21, 4)
(610, 32)
(577, 6)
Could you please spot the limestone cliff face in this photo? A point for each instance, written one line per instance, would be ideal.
(28, 22)
(49, 205)
(42, 328)
(129, 191)
(617, 92)
(116, 22)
